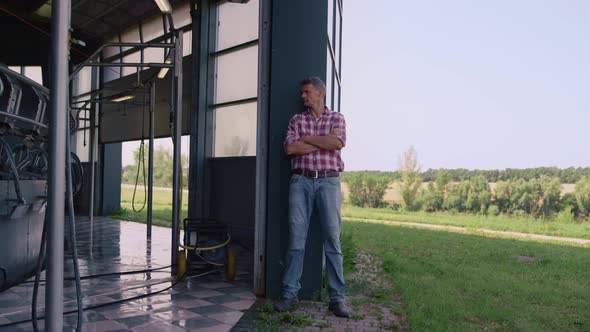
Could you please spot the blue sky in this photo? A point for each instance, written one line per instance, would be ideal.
(471, 84)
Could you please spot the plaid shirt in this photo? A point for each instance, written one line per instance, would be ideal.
(305, 124)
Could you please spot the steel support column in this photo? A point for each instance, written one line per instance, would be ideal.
(262, 146)
(200, 140)
(56, 178)
(91, 150)
(177, 161)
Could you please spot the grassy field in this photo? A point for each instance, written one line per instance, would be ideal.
(162, 206)
(554, 227)
(460, 282)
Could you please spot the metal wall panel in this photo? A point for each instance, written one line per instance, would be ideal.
(111, 178)
(119, 123)
(296, 53)
(233, 181)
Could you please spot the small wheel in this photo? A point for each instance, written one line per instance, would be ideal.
(230, 265)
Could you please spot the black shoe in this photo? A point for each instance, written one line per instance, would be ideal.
(339, 309)
(283, 304)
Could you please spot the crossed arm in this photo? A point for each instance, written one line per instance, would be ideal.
(308, 144)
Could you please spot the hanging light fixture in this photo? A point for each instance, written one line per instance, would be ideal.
(122, 98)
(164, 70)
(164, 6)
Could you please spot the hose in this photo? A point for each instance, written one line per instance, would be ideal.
(9, 156)
(117, 273)
(208, 261)
(78, 173)
(38, 275)
(117, 301)
(140, 161)
(72, 220)
(208, 248)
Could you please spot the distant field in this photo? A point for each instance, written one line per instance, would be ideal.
(392, 194)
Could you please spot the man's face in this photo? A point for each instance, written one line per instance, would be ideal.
(311, 96)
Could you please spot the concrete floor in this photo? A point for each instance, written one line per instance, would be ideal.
(205, 303)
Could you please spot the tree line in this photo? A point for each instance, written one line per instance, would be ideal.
(568, 175)
(538, 197)
(522, 192)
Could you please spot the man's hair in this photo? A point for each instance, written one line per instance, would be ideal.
(315, 81)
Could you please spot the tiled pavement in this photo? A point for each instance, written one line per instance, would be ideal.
(374, 319)
(200, 304)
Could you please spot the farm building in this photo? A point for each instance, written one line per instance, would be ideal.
(80, 78)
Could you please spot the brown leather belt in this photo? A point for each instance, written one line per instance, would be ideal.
(316, 174)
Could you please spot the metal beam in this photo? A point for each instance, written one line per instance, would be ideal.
(264, 53)
(211, 12)
(234, 102)
(194, 170)
(23, 119)
(177, 161)
(235, 48)
(138, 48)
(199, 137)
(91, 150)
(130, 64)
(98, 51)
(56, 179)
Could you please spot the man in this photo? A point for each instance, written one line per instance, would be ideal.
(313, 142)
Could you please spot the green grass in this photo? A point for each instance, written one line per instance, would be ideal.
(269, 320)
(501, 223)
(460, 282)
(162, 206)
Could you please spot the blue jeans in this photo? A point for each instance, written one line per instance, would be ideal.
(325, 196)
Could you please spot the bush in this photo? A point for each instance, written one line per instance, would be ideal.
(566, 215)
(526, 196)
(538, 197)
(493, 210)
(468, 196)
(582, 194)
(569, 202)
(431, 198)
(367, 189)
(550, 193)
(478, 195)
(395, 206)
(519, 213)
(456, 195)
(503, 196)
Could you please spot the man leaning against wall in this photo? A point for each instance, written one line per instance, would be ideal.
(313, 143)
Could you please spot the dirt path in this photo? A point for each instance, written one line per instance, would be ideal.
(460, 229)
